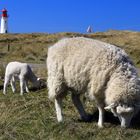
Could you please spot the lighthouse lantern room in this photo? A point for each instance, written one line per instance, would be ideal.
(4, 21)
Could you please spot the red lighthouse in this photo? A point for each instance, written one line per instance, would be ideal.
(4, 21)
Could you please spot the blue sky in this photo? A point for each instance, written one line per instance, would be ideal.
(28, 16)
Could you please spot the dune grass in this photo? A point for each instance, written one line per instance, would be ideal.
(33, 47)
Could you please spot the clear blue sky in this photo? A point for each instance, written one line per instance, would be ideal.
(28, 16)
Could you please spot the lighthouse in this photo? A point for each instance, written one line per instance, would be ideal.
(4, 22)
(89, 29)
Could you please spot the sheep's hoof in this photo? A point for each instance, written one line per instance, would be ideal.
(100, 126)
(60, 120)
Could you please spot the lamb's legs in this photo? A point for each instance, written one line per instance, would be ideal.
(6, 82)
(58, 106)
(101, 116)
(26, 86)
(79, 106)
(21, 85)
(12, 82)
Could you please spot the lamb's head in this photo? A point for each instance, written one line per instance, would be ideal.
(124, 112)
(36, 83)
(39, 83)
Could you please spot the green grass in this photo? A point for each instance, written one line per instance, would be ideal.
(32, 116)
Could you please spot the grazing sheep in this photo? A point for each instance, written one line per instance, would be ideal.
(101, 70)
(21, 71)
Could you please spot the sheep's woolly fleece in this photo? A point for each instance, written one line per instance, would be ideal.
(101, 70)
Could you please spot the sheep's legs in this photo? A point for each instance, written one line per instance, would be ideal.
(12, 82)
(101, 116)
(79, 106)
(58, 106)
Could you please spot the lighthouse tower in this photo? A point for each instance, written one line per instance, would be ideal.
(89, 29)
(4, 21)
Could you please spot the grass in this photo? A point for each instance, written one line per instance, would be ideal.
(33, 47)
(32, 116)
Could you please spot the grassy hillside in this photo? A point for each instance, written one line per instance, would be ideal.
(32, 116)
(33, 47)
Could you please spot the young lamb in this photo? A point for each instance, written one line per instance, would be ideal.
(21, 71)
(101, 70)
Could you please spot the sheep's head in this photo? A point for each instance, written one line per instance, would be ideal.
(124, 112)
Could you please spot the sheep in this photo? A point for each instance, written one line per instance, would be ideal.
(22, 71)
(102, 71)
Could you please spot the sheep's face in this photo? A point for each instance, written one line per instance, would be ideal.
(123, 112)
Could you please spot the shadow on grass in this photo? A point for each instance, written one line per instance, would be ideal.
(109, 118)
(34, 89)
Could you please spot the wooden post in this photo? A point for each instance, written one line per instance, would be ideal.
(8, 45)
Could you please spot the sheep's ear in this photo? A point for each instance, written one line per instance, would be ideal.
(121, 109)
(129, 109)
(109, 107)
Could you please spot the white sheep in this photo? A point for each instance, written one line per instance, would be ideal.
(21, 71)
(101, 70)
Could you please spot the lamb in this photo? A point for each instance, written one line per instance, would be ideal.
(101, 70)
(21, 71)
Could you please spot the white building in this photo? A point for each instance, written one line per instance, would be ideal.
(4, 22)
(89, 29)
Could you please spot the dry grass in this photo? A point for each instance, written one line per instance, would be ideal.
(33, 47)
